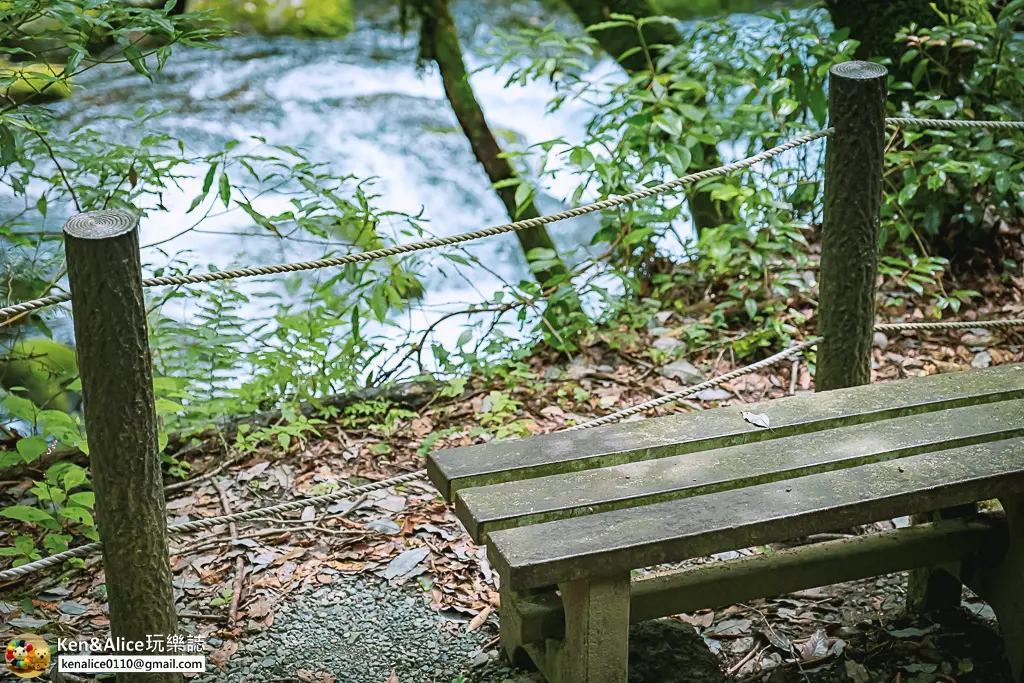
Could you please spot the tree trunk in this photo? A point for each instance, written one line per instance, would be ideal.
(874, 23)
(440, 42)
(616, 41)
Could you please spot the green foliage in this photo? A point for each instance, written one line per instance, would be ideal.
(305, 18)
(949, 191)
(747, 283)
(41, 370)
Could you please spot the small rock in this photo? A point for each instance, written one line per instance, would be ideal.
(681, 370)
(268, 662)
(479, 660)
(667, 344)
(383, 526)
(982, 359)
(880, 340)
(712, 394)
(977, 338)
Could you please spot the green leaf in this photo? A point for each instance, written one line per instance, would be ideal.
(464, 337)
(541, 254)
(379, 303)
(751, 306)
(919, 72)
(30, 448)
(24, 513)
(83, 498)
(210, 175)
(225, 189)
(74, 477)
(523, 195)
(21, 407)
(604, 25)
(457, 258)
(138, 62)
(693, 113)
(78, 514)
(8, 147)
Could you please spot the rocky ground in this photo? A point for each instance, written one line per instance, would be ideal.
(365, 631)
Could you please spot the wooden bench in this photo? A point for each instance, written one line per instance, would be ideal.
(580, 510)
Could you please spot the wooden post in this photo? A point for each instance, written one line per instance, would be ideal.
(849, 241)
(105, 273)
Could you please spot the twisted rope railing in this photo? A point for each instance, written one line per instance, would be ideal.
(320, 501)
(951, 124)
(376, 254)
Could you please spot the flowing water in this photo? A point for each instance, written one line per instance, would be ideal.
(361, 106)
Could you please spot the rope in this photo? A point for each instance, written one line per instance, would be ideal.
(376, 254)
(947, 124)
(697, 388)
(962, 325)
(318, 501)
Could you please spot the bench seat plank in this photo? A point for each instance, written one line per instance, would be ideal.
(607, 543)
(558, 453)
(486, 509)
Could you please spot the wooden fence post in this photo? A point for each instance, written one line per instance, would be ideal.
(105, 273)
(849, 240)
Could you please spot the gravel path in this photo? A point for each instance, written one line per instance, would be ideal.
(359, 630)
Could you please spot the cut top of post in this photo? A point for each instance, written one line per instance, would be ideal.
(859, 71)
(99, 225)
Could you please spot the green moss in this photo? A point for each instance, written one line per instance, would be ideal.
(40, 82)
(43, 368)
(304, 18)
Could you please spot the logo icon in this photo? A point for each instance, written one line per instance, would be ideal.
(28, 656)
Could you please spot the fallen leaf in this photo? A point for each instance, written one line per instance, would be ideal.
(757, 419)
(910, 632)
(856, 672)
(731, 627)
(405, 562)
(222, 654)
(814, 647)
(393, 678)
(478, 621)
(422, 426)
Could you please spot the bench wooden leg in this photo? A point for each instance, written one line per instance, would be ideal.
(511, 629)
(596, 648)
(1001, 584)
(936, 588)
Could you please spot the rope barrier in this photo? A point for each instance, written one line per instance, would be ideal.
(319, 501)
(950, 124)
(376, 254)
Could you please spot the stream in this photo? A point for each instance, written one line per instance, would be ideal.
(360, 106)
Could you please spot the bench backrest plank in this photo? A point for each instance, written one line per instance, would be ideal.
(485, 509)
(559, 453)
(611, 542)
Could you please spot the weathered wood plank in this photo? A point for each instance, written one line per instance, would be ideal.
(534, 618)
(492, 463)
(610, 542)
(485, 509)
(999, 580)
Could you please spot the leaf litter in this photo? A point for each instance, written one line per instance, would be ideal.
(406, 534)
